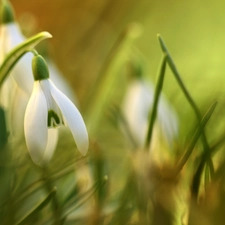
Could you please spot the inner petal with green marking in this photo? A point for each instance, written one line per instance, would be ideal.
(54, 120)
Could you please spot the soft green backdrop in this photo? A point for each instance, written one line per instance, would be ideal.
(85, 31)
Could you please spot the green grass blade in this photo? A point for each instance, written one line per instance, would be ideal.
(189, 98)
(194, 139)
(178, 77)
(79, 200)
(37, 208)
(157, 93)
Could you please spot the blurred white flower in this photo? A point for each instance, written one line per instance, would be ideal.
(137, 105)
(10, 37)
(50, 108)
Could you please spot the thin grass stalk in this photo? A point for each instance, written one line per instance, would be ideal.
(157, 93)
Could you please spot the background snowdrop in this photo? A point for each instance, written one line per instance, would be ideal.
(137, 105)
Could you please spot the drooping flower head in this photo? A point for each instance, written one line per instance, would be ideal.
(47, 109)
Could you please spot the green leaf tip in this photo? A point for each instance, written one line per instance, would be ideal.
(162, 44)
(45, 34)
(7, 13)
(158, 36)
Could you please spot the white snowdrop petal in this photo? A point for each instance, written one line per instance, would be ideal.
(72, 118)
(35, 124)
(60, 82)
(51, 145)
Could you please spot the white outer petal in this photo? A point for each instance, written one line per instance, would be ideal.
(60, 81)
(35, 124)
(51, 145)
(72, 118)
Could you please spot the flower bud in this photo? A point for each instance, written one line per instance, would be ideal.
(39, 68)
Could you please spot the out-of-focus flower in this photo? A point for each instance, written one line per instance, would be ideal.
(10, 36)
(17, 88)
(137, 107)
(49, 108)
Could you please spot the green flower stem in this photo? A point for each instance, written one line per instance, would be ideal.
(35, 53)
(57, 213)
(15, 54)
(189, 98)
(194, 139)
(157, 93)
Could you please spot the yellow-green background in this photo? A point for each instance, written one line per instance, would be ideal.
(85, 31)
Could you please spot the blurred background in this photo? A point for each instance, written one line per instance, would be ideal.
(84, 32)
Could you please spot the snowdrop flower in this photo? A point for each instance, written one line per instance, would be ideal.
(136, 107)
(17, 88)
(47, 109)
